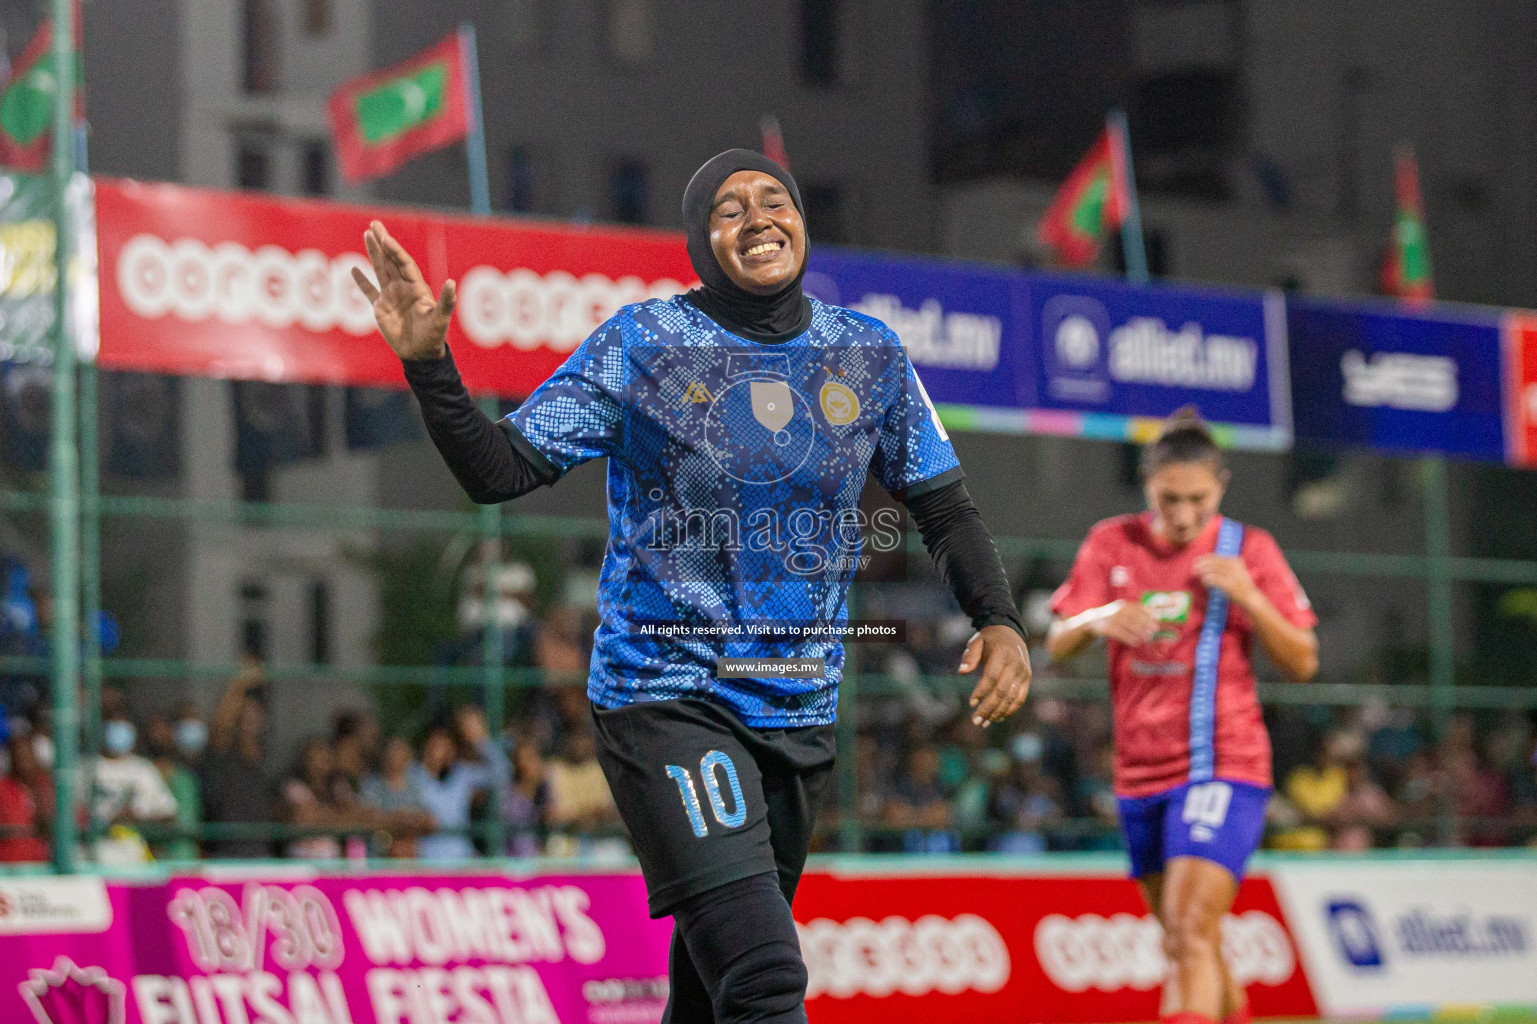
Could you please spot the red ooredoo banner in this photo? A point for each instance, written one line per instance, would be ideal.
(884, 949)
(220, 284)
(1521, 385)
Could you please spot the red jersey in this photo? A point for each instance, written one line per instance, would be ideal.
(1151, 685)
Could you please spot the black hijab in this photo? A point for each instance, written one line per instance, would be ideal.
(777, 317)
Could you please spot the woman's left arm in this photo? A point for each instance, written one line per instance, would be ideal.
(1294, 649)
(964, 554)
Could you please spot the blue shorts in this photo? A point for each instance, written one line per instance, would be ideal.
(1216, 821)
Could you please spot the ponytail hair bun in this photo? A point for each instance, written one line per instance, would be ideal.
(1185, 438)
(1186, 417)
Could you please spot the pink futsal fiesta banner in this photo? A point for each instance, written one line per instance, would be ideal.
(364, 949)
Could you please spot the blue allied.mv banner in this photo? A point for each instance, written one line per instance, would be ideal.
(1010, 351)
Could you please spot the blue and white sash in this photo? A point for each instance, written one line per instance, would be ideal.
(1208, 652)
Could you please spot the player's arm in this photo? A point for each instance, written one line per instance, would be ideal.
(1293, 648)
(963, 552)
(1085, 608)
(1125, 622)
(491, 460)
(486, 458)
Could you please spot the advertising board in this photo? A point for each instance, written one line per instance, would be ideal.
(1521, 389)
(1395, 938)
(257, 287)
(372, 949)
(1370, 374)
(987, 944)
(1114, 360)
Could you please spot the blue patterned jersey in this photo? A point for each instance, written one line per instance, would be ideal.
(734, 475)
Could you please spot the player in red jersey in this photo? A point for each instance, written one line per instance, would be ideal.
(1180, 594)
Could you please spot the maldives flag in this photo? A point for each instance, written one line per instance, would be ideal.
(382, 120)
(1094, 199)
(26, 104)
(1406, 269)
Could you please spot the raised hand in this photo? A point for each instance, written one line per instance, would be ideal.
(1005, 681)
(414, 324)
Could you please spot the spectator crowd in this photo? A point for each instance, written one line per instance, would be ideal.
(191, 782)
(180, 786)
(184, 786)
(1352, 780)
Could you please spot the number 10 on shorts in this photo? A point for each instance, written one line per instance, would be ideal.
(1206, 809)
(709, 767)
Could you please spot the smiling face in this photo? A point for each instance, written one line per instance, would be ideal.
(756, 233)
(1183, 496)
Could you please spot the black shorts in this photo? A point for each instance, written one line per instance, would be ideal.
(709, 800)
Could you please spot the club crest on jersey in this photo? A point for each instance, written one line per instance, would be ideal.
(758, 428)
(1167, 605)
(839, 403)
(772, 403)
(698, 394)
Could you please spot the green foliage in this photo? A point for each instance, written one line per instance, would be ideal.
(417, 600)
(418, 587)
(417, 612)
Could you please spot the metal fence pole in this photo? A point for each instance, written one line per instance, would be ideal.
(1438, 587)
(90, 536)
(62, 456)
(90, 579)
(492, 654)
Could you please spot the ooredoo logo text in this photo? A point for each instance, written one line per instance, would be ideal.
(194, 282)
(1126, 951)
(898, 956)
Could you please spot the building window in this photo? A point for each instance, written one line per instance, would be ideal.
(1184, 130)
(627, 192)
(519, 197)
(260, 50)
(253, 619)
(317, 17)
(827, 212)
(821, 43)
(631, 30)
(316, 158)
(253, 166)
(320, 623)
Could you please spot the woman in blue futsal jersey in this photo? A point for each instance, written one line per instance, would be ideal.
(740, 421)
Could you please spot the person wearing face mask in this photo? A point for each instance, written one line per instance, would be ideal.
(126, 790)
(164, 741)
(189, 735)
(1180, 594)
(740, 422)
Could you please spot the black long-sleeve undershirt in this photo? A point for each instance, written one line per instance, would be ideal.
(494, 462)
(963, 552)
